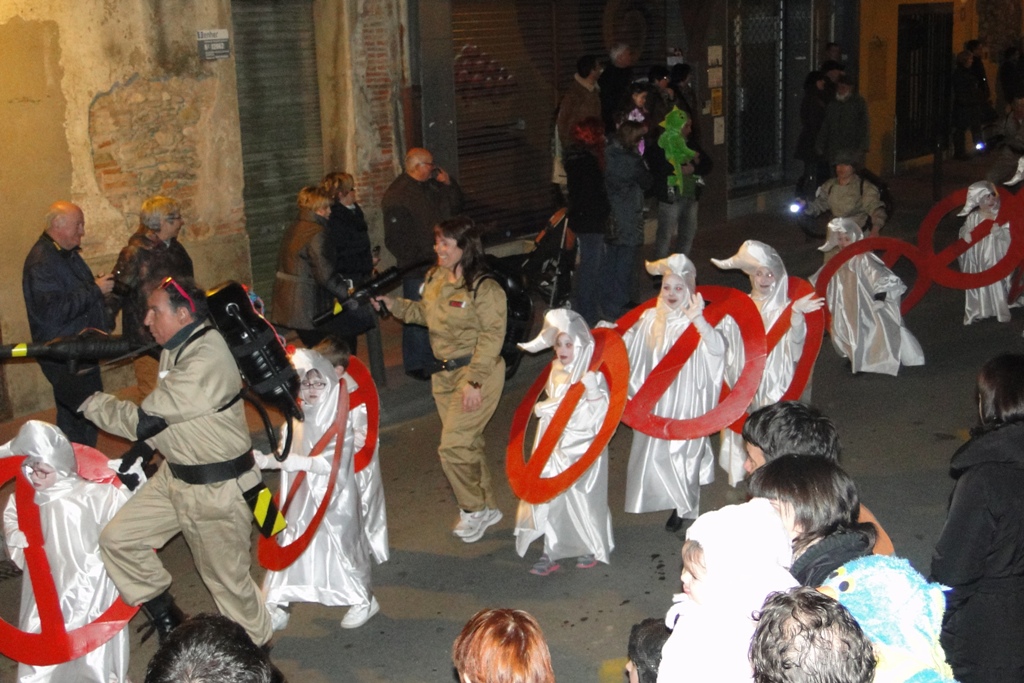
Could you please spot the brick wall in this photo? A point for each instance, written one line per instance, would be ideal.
(146, 140)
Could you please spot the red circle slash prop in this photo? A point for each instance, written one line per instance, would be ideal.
(54, 644)
(1010, 210)
(276, 557)
(365, 394)
(525, 478)
(893, 250)
(935, 267)
(723, 301)
(812, 344)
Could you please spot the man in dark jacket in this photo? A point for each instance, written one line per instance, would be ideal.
(63, 298)
(413, 204)
(153, 252)
(846, 124)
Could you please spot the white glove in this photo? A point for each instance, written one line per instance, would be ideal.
(967, 236)
(302, 463)
(694, 307)
(264, 461)
(808, 303)
(606, 325)
(592, 385)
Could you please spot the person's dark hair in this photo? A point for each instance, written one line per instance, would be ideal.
(792, 427)
(463, 230)
(644, 649)
(972, 44)
(831, 65)
(803, 636)
(656, 73)
(502, 646)
(629, 134)
(182, 292)
(1000, 391)
(811, 82)
(679, 73)
(844, 79)
(210, 648)
(335, 350)
(963, 57)
(585, 64)
(822, 495)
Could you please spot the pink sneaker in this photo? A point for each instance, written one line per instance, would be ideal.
(545, 566)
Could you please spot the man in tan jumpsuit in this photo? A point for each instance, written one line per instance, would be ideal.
(193, 419)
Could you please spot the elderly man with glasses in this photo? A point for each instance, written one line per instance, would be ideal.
(153, 252)
(195, 420)
(413, 204)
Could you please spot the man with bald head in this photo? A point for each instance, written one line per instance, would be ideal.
(420, 198)
(63, 298)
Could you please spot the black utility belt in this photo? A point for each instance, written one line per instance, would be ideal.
(449, 364)
(214, 472)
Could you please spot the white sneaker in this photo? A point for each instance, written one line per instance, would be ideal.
(472, 525)
(278, 616)
(358, 615)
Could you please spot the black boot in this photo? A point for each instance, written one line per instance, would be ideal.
(164, 615)
(674, 523)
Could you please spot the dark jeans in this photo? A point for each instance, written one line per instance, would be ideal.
(677, 220)
(416, 353)
(588, 277)
(617, 271)
(69, 391)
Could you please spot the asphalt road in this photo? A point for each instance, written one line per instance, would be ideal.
(898, 434)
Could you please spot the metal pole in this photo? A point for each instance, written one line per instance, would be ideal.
(375, 350)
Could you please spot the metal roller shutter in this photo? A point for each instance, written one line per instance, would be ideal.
(513, 60)
(279, 112)
(505, 102)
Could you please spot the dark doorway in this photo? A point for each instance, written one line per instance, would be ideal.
(923, 66)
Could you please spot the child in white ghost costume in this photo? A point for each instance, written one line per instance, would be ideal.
(72, 513)
(369, 482)
(335, 567)
(983, 203)
(769, 284)
(576, 522)
(864, 297)
(666, 474)
(733, 559)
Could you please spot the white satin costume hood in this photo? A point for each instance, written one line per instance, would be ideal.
(42, 443)
(321, 415)
(751, 256)
(837, 227)
(975, 193)
(563, 321)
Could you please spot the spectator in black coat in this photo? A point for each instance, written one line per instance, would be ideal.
(812, 114)
(967, 104)
(347, 246)
(980, 553)
(588, 211)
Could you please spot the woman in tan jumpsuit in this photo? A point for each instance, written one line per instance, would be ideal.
(464, 311)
